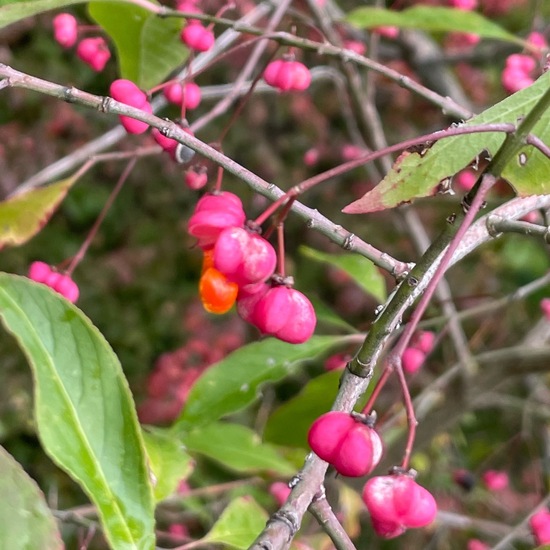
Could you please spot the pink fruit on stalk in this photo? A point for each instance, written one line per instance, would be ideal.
(188, 94)
(197, 37)
(39, 271)
(352, 447)
(212, 215)
(287, 75)
(424, 341)
(65, 30)
(94, 52)
(168, 144)
(412, 360)
(195, 180)
(540, 527)
(248, 299)
(396, 502)
(128, 93)
(63, 284)
(243, 257)
(286, 314)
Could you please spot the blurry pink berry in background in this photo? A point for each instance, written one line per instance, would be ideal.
(540, 527)
(189, 94)
(351, 152)
(466, 5)
(337, 361)
(94, 52)
(128, 93)
(189, 6)
(387, 31)
(424, 340)
(518, 72)
(178, 530)
(279, 491)
(545, 307)
(355, 46)
(195, 179)
(412, 360)
(476, 544)
(197, 37)
(495, 480)
(63, 284)
(531, 217)
(538, 40)
(65, 30)
(311, 157)
(465, 180)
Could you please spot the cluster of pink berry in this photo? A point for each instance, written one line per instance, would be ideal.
(415, 355)
(63, 284)
(353, 447)
(194, 34)
(287, 75)
(237, 265)
(520, 69)
(540, 527)
(128, 93)
(93, 51)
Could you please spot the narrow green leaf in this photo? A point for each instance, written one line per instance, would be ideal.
(148, 47)
(25, 519)
(12, 11)
(417, 175)
(235, 382)
(430, 18)
(84, 411)
(315, 399)
(236, 447)
(168, 461)
(239, 524)
(24, 215)
(359, 268)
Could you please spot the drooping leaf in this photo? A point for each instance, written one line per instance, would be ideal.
(25, 519)
(359, 268)
(239, 525)
(236, 447)
(430, 18)
(417, 175)
(23, 216)
(85, 415)
(148, 47)
(235, 382)
(12, 11)
(168, 461)
(315, 399)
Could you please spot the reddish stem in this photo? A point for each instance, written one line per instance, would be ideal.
(281, 251)
(93, 231)
(219, 178)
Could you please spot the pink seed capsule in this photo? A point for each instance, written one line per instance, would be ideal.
(39, 271)
(65, 29)
(67, 288)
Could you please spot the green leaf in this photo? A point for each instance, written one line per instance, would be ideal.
(417, 174)
(23, 216)
(168, 461)
(25, 519)
(235, 382)
(236, 447)
(431, 18)
(315, 399)
(359, 268)
(12, 11)
(148, 47)
(84, 411)
(239, 525)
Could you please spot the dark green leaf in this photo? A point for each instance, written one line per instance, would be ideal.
(430, 18)
(168, 461)
(24, 215)
(359, 268)
(239, 525)
(235, 382)
(315, 399)
(84, 411)
(25, 519)
(148, 47)
(417, 175)
(12, 11)
(236, 447)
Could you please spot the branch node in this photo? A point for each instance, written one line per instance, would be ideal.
(348, 242)
(288, 518)
(105, 104)
(69, 94)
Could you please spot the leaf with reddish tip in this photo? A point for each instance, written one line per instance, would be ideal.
(416, 175)
(23, 216)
